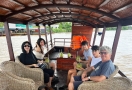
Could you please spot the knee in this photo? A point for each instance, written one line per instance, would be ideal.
(74, 74)
(70, 71)
(70, 86)
(72, 79)
(52, 64)
(74, 63)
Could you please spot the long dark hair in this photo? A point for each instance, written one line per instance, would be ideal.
(38, 42)
(22, 47)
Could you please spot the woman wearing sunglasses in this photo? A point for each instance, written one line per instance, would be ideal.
(29, 59)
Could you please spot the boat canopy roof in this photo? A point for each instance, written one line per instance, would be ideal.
(95, 13)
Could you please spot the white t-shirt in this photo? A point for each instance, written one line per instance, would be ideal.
(40, 55)
(87, 53)
(95, 60)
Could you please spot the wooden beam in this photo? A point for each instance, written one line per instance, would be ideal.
(50, 35)
(27, 14)
(95, 34)
(46, 37)
(57, 21)
(28, 33)
(104, 3)
(38, 30)
(122, 8)
(38, 12)
(20, 3)
(103, 34)
(116, 40)
(48, 10)
(74, 19)
(7, 8)
(68, 1)
(9, 42)
(53, 1)
(66, 14)
(63, 6)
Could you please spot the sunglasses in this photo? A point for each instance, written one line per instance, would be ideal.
(103, 53)
(26, 45)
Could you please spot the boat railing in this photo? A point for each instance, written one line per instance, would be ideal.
(62, 41)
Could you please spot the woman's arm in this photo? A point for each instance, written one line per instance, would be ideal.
(37, 48)
(32, 65)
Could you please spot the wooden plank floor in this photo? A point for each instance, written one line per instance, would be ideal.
(62, 75)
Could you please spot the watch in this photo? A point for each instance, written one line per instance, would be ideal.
(88, 78)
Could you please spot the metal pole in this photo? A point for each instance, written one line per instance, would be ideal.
(96, 29)
(46, 36)
(28, 33)
(116, 39)
(102, 38)
(50, 36)
(8, 39)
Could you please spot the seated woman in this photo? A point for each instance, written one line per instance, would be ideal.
(29, 59)
(39, 51)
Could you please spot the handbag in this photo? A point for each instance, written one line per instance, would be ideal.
(43, 66)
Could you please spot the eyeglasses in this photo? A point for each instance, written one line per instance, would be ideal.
(103, 53)
(26, 45)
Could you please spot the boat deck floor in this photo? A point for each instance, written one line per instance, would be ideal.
(61, 74)
(53, 56)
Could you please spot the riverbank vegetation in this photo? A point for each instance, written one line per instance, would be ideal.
(67, 27)
(63, 27)
(123, 28)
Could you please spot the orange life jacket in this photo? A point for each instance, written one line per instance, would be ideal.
(76, 41)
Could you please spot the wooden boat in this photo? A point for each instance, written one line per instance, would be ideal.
(84, 15)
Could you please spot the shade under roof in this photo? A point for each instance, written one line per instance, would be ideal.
(87, 12)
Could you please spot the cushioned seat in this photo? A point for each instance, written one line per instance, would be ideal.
(115, 83)
(23, 73)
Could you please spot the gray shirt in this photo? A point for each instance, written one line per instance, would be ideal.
(103, 68)
(87, 53)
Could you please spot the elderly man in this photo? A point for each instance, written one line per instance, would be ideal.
(100, 71)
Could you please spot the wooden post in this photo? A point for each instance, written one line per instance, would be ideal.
(28, 33)
(46, 36)
(116, 39)
(103, 34)
(38, 30)
(51, 36)
(8, 39)
(96, 29)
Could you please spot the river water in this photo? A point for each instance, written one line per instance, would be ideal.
(123, 57)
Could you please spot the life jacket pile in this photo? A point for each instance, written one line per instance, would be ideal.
(76, 42)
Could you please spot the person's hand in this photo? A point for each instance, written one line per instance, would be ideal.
(85, 79)
(36, 44)
(79, 61)
(87, 65)
(35, 65)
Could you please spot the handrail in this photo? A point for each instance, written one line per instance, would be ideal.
(62, 41)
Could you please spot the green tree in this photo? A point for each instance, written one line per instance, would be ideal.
(63, 27)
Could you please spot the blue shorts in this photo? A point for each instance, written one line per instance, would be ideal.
(77, 82)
